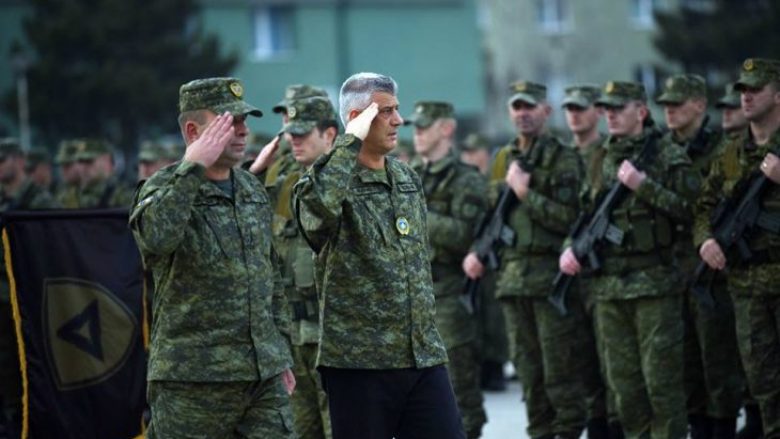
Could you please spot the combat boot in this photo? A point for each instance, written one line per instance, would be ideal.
(753, 428)
(725, 428)
(598, 428)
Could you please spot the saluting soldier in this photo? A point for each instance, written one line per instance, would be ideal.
(455, 194)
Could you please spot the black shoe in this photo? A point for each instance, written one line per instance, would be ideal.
(753, 428)
(700, 426)
(598, 428)
(724, 428)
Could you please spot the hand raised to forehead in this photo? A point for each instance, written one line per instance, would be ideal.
(360, 125)
(212, 141)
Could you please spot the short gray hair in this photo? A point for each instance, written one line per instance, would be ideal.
(357, 90)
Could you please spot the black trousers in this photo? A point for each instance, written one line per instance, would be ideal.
(391, 403)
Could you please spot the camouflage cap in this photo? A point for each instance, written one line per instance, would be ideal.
(758, 72)
(474, 142)
(305, 114)
(37, 155)
(216, 94)
(174, 150)
(528, 92)
(151, 151)
(730, 98)
(9, 146)
(89, 149)
(619, 93)
(298, 91)
(679, 88)
(581, 95)
(66, 153)
(427, 112)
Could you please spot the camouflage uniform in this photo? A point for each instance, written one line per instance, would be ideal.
(600, 401)
(753, 284)
(713, 383)
(456, 197)
(309, 402)
(638, 291)
(27, 197)
(67, 194)
(542, 342)
(219, 309)
(101, 192)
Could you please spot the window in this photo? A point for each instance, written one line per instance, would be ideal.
(642, 12)
(553, 16)
(274, 31)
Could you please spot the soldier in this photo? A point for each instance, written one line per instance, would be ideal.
(713, 384)
(582, 119)
(638, 290)
(753, 283)
(312, 127)
(475, 151)
(38, 167)
(67, 193)
(100, 187)
(381, 358)
(219, 359)
(541, 341)
(17, 192)
(456, 197)
(732, 117)
(153, 156)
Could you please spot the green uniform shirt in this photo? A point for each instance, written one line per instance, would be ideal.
(219, 310)
(737, 158)
(108, 192)
(369, 229)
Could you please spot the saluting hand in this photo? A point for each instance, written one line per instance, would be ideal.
(215, 137)
(361, 124)
(630, 176)
(266, 156)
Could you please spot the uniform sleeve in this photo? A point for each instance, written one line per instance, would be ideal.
(710, 196)
(558, 209)
(319, 194)
(157, 217)
(280, 306)
(455, 231)
(677, 198)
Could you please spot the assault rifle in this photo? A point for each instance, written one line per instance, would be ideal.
(733, 220)
(591, 232)
(492, 234)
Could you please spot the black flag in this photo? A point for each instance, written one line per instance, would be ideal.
(78, 296)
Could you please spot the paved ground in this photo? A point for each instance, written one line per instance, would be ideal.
(506, 414)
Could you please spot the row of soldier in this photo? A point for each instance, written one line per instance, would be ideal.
(617, 357)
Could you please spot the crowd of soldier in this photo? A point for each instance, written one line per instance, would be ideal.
(636, 354)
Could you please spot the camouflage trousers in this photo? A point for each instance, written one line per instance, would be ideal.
(546, 351)
(714, 383)
(494, 345)
(194, 410)
(10, 377)
(309, 402)
(758, 336)
(643, 350)
(464, 374)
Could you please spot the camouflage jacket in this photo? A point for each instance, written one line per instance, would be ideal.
(737, 158)
(297, 261)
(542, 221)
(68, 196)
(643, 265)
(105, 193)
(219, 310)
(369, 229)
(456, 195)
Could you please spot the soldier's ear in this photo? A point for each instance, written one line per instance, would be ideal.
(191, 131)
(352, 114)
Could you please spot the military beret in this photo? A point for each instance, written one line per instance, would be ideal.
(305, 114)
(427, 112)
(730, 98)
(216, 94)
(679, 88)
(89, 149)
(619, 93)
(758, 72)
(474, 142)
(9, 146)
(528, 92)
(581, 95)
(297, 91)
